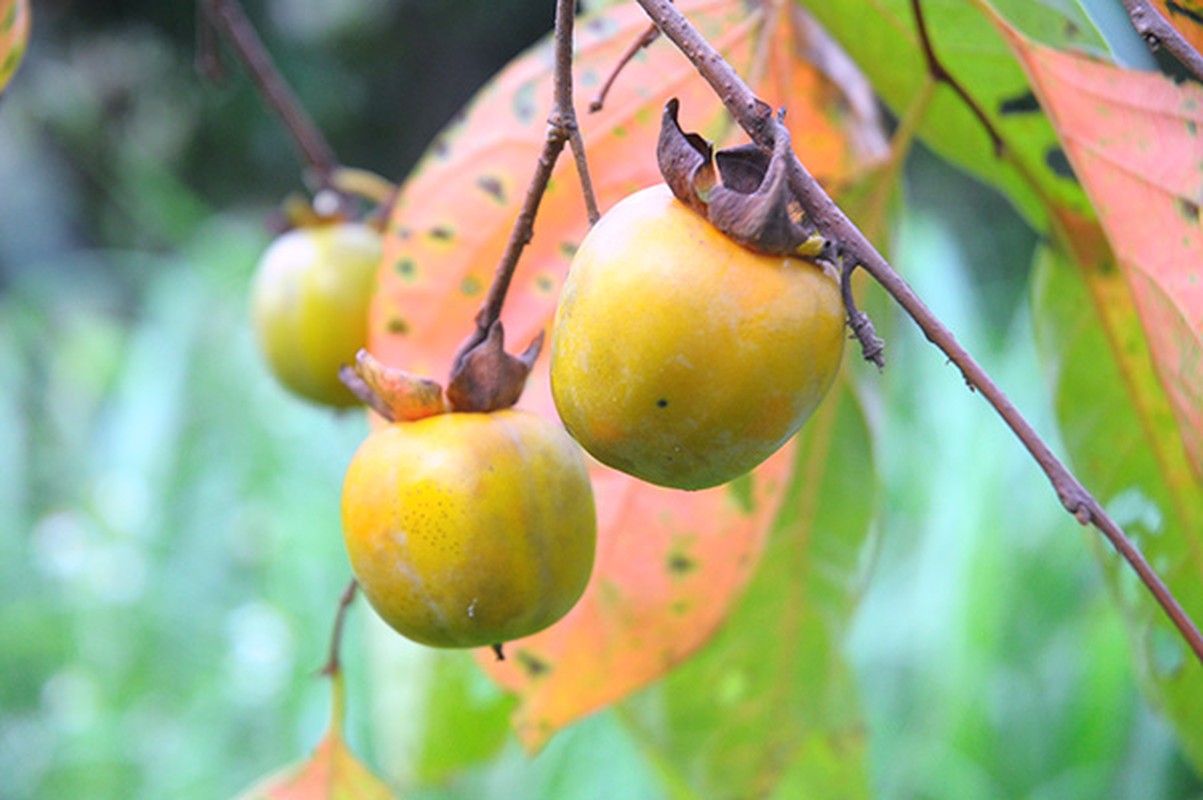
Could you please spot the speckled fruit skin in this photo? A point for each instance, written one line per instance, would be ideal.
(682, 358)
(309, 302)
(469, 529)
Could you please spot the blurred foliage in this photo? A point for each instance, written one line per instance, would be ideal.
(170, 556)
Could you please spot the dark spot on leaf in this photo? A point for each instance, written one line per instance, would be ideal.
(568, 249)
(544, 284)
(531, 664)
(1072, 31)
(680, 564)
(1025, 103)
(1176, 9)
(470, 285)
(406, 268)
(441, 148)
(492, 187)
(662, 403)
(524, 103)
(1058, 163)
(1189, 209)
(443, 233)
(1192, 128)
(600, 26)
(396, 325)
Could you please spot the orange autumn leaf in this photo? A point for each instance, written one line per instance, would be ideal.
(669, 563)
(14, 35)
(1135, 143)
(1187, 18)
(331, 773)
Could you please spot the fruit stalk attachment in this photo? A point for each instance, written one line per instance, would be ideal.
(853, 247)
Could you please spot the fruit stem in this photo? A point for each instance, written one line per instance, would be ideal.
(561, 129)
(229, 18)
(645, 39)
(333, 663)
(757, 119)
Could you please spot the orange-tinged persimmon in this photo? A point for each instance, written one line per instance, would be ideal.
(469, 529)
(682, 358)
(309, 302)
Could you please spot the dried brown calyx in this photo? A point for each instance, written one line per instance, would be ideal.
(485, 378)
(743, 191)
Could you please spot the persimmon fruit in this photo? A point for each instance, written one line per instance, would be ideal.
(467, 529)
(309, 302)
(683, 358)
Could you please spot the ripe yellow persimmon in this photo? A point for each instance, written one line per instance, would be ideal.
(682, 358)
(470, 529)
(309, 303)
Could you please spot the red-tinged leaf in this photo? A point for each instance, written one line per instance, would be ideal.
(769, 706)
(14, 35)
(331, 773)
(669, 563)
(1187, 18)
(883, 38)
(669, 566)
(1135, 143)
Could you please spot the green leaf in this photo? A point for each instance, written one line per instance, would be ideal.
(436, 713)
(882, 37)
(769, 707)
(331, 773)
(1125, 446)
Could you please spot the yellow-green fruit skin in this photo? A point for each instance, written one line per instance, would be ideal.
(682, 358)
(470, 529)
(309, 302)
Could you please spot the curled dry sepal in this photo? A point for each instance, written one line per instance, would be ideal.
(743, 191)
(485, 379)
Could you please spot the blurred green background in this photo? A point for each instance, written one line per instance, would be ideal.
(170, 553)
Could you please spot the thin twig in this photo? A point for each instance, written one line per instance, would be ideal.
(333, 662)
(651, 34)
(561, 129)
(208, 55)
(758, 120)
(576, 143)
(1157, 31)
(228, 17)
(936, 69)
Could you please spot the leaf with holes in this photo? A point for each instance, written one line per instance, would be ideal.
(669, 563)
(14, 35)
